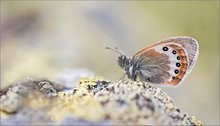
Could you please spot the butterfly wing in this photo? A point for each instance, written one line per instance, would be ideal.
(168, 61)
(191, 47)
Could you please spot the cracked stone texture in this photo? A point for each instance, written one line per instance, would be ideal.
(94, 101)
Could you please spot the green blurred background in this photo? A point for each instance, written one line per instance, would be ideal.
(44, 38)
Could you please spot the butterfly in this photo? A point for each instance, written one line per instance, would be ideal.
(167, 62)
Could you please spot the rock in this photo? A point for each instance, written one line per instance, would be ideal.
(94, 102)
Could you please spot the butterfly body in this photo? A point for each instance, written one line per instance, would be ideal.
(166, 62)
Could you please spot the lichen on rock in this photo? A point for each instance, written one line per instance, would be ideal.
(93, 101)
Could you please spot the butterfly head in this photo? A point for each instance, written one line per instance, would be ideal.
(124, 62)
(127, 64)
(129, 67)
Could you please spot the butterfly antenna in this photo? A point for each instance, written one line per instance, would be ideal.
(115, 50)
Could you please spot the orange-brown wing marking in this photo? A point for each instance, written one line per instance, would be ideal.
(182, 69)
(142, 51)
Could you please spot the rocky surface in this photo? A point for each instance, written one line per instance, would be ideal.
(93, 101)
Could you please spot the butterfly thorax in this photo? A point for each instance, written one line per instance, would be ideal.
(129, 66)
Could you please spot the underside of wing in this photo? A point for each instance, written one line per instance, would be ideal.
(189, 44)
(163, 63)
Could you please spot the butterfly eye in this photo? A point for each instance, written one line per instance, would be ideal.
(173, 78)
(127, 62)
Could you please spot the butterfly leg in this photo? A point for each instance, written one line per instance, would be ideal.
(122, 78)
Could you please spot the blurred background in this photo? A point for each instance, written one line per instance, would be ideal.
(48, 38)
